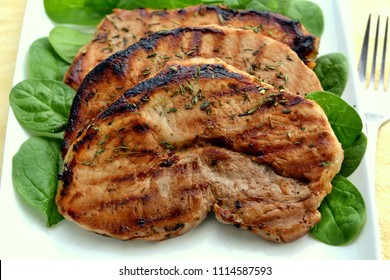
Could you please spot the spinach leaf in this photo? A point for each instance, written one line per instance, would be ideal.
(42, 105)
(345, 121)
(343, 214)
(332, 71)
(159, 4)
(237, 4)
(308, 13)
(35, 170)
(276, 6)
(354, 155)
(81, 12)
(44, 63)
(67, 42)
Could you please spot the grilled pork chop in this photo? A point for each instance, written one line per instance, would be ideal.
(272, 61)
(123, 28)
(200, 136)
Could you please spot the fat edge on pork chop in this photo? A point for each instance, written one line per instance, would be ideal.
(201, 136)
(272, 61)
(122, 28)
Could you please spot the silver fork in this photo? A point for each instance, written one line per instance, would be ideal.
(375, 100)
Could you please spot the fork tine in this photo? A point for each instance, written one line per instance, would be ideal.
(362, 68)
(373, 68)
(382, 73)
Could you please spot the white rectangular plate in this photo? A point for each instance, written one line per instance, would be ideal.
(24, 234)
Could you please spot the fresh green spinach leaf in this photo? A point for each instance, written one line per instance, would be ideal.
(354, 155)
(345, 121)
(35, 169)
(160, 4)
(308, 13)
(343, 214)
(42, 105)
(81, 12)
(44, 63)
(237, 4)
(67, 41)
(276, 6)
(332, 71)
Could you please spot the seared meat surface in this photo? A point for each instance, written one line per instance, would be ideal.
(261, 56)
(123, 28)
(200, 136)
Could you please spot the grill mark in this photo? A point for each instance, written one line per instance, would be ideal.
(130, 200)
(75, 216)
(196, 44)
(165, 77)
(172, 216)
(127, 178)
(149, 43)
(216, 154)
(182, 11)
(141, 128)
(297, 100)
(73, 121)
(275, 149)
(144, 223)
(222, 141)
(74, 77)
(160, 13)
(237, 47)
(120, 106)
(323, 138)
(172, 163)
(227, 14)
(85, 140)
(119, 203)
(195, 189)
(67, 177)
